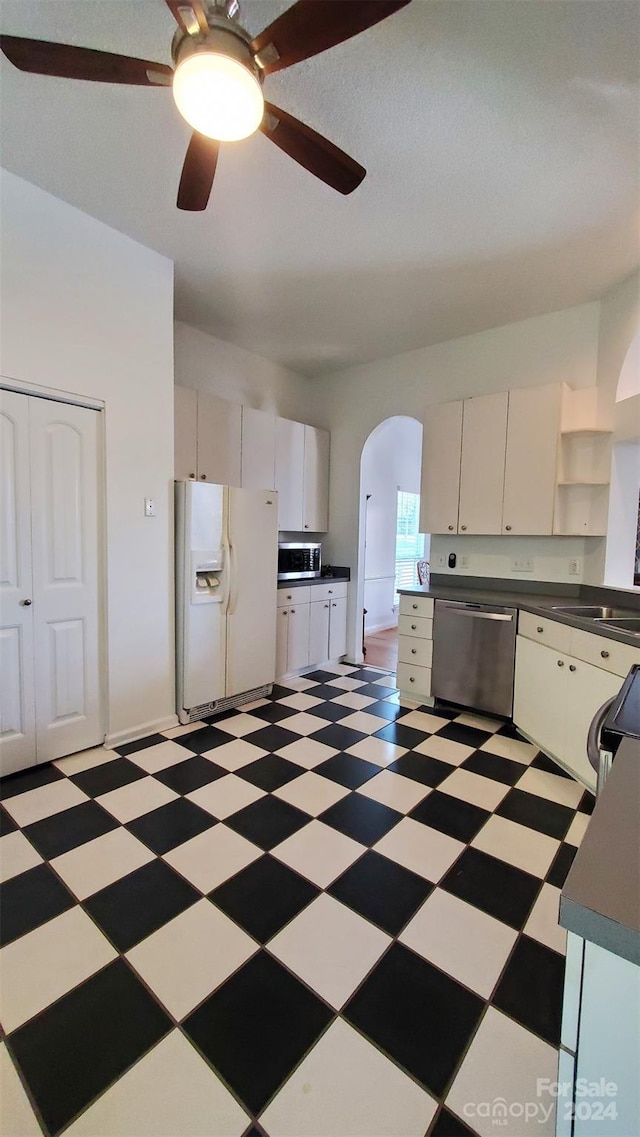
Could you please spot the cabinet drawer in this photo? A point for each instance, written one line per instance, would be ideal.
(417, 626)
(332, 590)
(416, 606)
(414, 681)
(287, 596)
(414, 651)
(545, 631)
(602, 652)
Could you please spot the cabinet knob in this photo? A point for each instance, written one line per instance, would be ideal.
(508, 528)
(334, 605)
(413, 627)
(289, 597)
(604, 654)
(463, 527)
(284, 612)
(411, 679)
(560, 663)
(25, 603)
(450, 528)
(203, 477)
(330, 592)
(414, 605)
(306, 526)
(413, 651)
(326, 605)
(293, 611)
(192, 475)
(540, 630)
(572, 667)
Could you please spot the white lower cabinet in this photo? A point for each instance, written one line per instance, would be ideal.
(338, 628)
(312, 629)
(415, 646)
(292, 639)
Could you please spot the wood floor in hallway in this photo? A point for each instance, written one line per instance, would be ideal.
(382, 648)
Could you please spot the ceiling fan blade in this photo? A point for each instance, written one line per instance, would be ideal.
(189, 15)
(198, 172)
(311, 150)
(310, 27)
(66, 62)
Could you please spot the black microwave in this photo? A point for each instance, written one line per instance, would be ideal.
(298, 560)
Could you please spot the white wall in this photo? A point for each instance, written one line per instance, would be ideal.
(88, 311)
(391, 461)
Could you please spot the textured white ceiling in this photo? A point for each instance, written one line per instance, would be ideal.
(501, 142)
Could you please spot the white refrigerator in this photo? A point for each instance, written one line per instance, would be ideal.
(226, 579)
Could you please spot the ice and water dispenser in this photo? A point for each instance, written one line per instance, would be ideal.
(206, 572)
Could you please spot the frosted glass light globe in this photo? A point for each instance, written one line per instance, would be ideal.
(218, 96)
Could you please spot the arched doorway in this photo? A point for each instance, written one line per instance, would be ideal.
(622, 566)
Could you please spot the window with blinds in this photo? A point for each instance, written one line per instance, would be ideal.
(409, 542)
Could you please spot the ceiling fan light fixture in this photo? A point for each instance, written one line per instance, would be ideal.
(218, 96)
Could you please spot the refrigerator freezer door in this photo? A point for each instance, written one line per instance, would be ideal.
(200, 619)
(251, 618)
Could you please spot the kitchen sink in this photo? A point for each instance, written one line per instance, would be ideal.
(628, 624)
(590, 611)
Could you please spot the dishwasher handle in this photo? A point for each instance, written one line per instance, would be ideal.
(478, 615)
(593, 737)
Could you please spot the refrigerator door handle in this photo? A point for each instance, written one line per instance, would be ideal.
(232, 595)
(227, 579)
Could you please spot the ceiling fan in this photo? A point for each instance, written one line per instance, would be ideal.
(217, 80)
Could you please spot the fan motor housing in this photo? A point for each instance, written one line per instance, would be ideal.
(224, 38)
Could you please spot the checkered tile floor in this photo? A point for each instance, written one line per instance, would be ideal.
(324, 914)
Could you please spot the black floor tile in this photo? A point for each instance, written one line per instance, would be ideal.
(78, 1046)
(280, 692)
(382, 891)
(369, 675)
(386, 710)
(264, 897)
(109, 776)
(171, 825)
(325, 691)
(401, 735)
(536, 813)
(347, 770)
(429, 771)
(361, 818)
(451, 815)
(140, 903)
(191, 774)
(541, 762)
(508, 730)
(448, 1125)
(7, 824)
(140, 744)
(205, 739)
(467, 735)
(270, 772)
(332, 712)
(418, 1015)
(26, 780)
(29, 900)
(273, 712)
(64, 831)
(272, 737)
(587, 802)
(562, 862)
(321, 676)
(255, 1029)
(530, 989)
(493, 766)
(442, 710)
(338, 736)
(506, 892)
(268, 821)
(375, 690)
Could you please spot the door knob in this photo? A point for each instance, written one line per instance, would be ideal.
(25, 603)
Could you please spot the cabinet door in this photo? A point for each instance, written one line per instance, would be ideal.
(298, 644)
(315, 513)
(282, 641)
(185, 419)
(440, 483)
(258, 450)
(319, 631)
(533, 427)
(484, 441)
(338, 629)
(588, 688)
(219, 445)
(540, 695)
(289, 473)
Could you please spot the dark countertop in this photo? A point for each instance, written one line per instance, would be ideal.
(339, 578)
(600, 900)
(540, 603)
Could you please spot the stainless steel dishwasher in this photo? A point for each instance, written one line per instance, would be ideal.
(474, 648)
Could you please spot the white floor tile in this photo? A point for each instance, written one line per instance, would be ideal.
(302, 723)
(298, 683)
(388, 680)
(364, 722)
(299, 701)
(474, 788)
(543, 922)
(347, 1088)
(318, 852)
(44, 802)
(353, 700)
(460, 940)
(553, 787)
(346, 683)
(212, 856)
(394, 790)
(330, 947)
(97, 863)
(234, 755)
(577, 829)
(377, 750)
(499, 1075)
(17, 1118)
(480, 722)
(423, 850)
(253, 705)
(43, 965)
(444, 749)
(16, 855)
(159, 757)
(188, 958)
(311, 793)
(239, 725)
(517, 844)
(180, 731)
(170, 1091)
(514, 748)
(225, 796)
(84, 760)
(136, 799)
(420, 720)
(307, 752)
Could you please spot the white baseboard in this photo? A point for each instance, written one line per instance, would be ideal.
(135, 732)
(378, 628)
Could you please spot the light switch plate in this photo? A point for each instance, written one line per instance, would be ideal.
(149, 507)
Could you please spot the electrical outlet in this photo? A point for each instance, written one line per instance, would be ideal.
(522, 564)
(149, 507)
(441, 561)
(575, 566)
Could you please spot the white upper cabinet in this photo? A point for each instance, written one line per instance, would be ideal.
(219, 440)
(484, 440)
(185, 426)
(441, 450)
(533, 428)
(258, 450)
(290, 473)
(315, 514)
